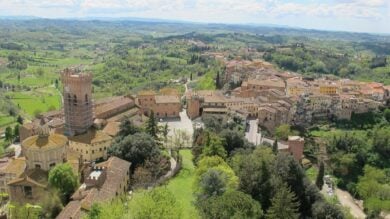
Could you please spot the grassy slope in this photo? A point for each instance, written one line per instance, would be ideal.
(42, 100)
(181, 185)
(6, 120)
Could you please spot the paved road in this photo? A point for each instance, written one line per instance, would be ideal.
(346, 200)
(184, 124)
(252, 135)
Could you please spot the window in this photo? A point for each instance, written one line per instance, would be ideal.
(100, 149)
(52, 165)
(38, 166)
(86, 99)
(93, 151)
(27, 190)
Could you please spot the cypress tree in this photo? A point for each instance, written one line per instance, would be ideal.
(320, 176)
(151, 126)
(275, 146)
(217, 81)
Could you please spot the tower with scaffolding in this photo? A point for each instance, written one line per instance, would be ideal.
(78, 105)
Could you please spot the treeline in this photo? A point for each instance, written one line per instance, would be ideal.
(236, 180)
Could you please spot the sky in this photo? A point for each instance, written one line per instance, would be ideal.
(371, 16)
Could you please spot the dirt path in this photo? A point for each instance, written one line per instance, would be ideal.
(346, 200)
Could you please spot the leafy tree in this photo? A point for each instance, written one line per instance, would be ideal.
(284, 204)
(232, 140)
(152, 126)
(325, 210)
(374, 188)
(127, 127)
(63, 178)
(24, 211)
(231, 204)
(386, 114)
(215, 163)
(156, 203)
(8, 134)
(214, 147)
(254, 172)
(212, 183)
(320, 176)
(135, 148)
(283, 131)
(115, 209)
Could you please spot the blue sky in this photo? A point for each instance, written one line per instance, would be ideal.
(347, 15)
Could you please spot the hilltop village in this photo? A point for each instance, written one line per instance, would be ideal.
(83, 131)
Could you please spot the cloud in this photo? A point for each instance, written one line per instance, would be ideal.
(232, 11)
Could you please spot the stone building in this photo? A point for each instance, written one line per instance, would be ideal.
(104, 182)
(92, 145)
(42, 152)
(163, 106)
(10, 168)
(78, 105)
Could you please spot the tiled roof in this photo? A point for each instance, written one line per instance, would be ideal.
(53, 141)
(267, 83)
(16, 166)
(112, 128)
(117, 169)
(167, 99)
(71, 211)
(91, 137)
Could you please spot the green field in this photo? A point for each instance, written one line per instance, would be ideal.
(181, 185)
(41, 100)
(6, 120)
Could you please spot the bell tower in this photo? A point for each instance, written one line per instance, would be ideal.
(77, 98)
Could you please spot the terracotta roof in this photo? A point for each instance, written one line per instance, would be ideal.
(215, 110)
(131, 112)
(16, 166)
(117, 170)
(267, 83)
(112, 128)
(91, 137)
(167, 99)
(113, 105)
(34, 176)
(71, 211)
(53, 141)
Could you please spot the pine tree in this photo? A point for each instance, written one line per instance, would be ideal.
(320, 176)
(284, 204)
(151, 126)
(275, 146)
(191, 76)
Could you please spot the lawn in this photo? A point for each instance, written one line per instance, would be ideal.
(181, 185)
(6, 120)
(312, 173)
(38, 101)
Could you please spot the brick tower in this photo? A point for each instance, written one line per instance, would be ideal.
(77, 95)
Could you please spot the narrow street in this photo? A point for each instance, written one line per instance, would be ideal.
(346, 200)
(252, 135)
